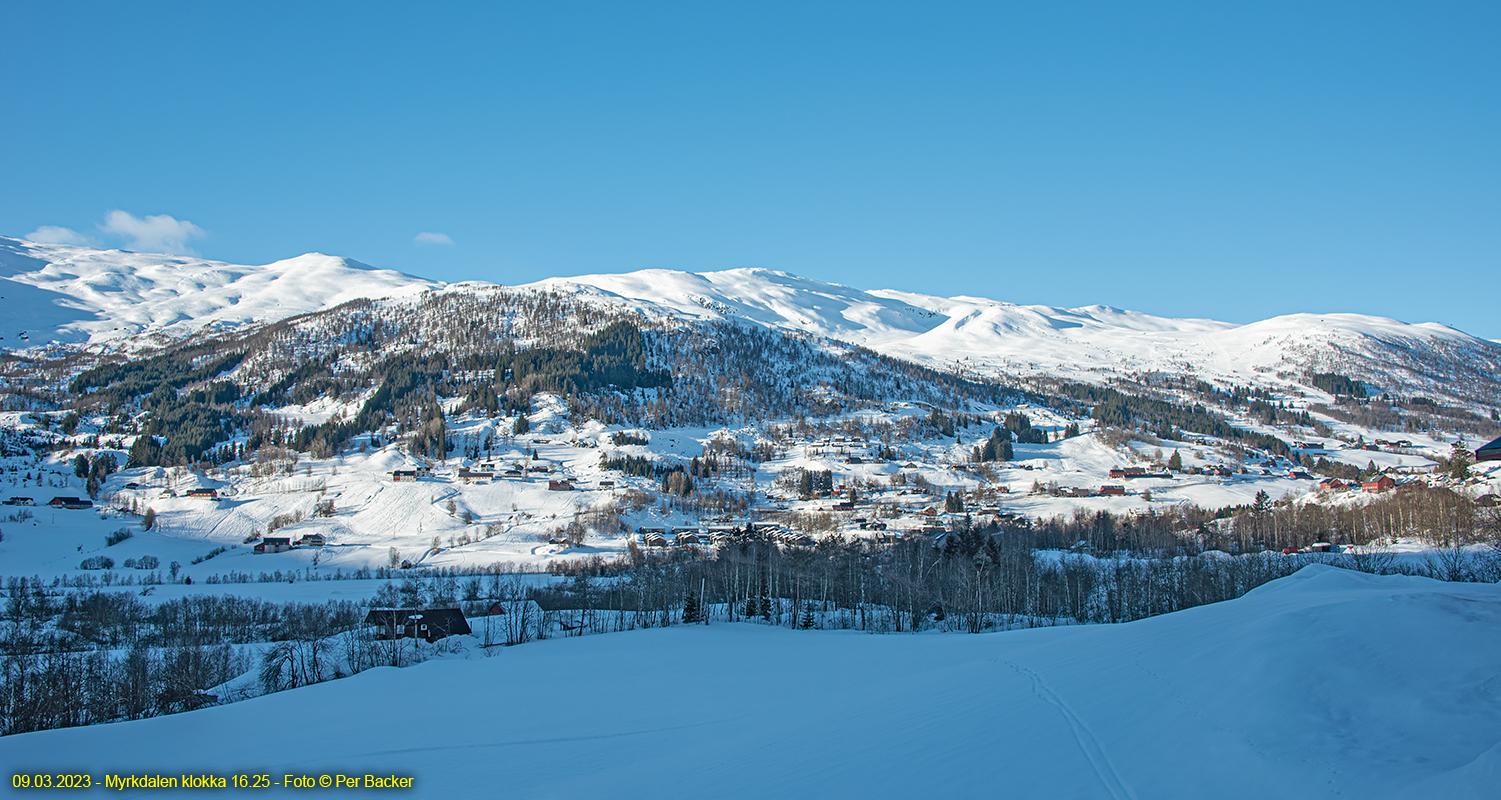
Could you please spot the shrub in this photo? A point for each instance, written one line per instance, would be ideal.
(97, 562)
(112, 539)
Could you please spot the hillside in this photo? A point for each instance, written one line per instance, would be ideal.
(78, 294)
(1326, 683)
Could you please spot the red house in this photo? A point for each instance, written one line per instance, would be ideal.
(1113, 490)
(1382, 484)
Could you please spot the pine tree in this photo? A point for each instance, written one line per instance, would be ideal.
(1175, 462)
(809, 620)
(692, 611)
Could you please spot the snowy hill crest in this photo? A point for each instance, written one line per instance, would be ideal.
(77, 295)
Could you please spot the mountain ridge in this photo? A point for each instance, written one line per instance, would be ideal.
(79, 295)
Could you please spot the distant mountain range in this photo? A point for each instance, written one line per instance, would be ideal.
(78, 295)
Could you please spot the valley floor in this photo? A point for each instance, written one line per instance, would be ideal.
(1327, 683)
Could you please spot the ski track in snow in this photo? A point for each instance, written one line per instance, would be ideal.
(1089, 744)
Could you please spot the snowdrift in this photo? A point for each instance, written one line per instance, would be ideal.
(1327, 682)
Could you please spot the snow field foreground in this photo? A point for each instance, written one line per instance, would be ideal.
(1326, 683)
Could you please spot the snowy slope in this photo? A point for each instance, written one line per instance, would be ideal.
(78, 294)
(989, 337)
(1323, 684)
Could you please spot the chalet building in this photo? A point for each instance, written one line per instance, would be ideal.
(1489, 452)
(431, 624)
(400, 475)
(313, 540)
(273, 544)
(513, 474)
(1333, 485)
(211, 494)
(607, 484)
(19, 501)
(475, 475)
(1128, 472)
(559, 486)
(1112, 490)
(70, 502)
(1382, 484)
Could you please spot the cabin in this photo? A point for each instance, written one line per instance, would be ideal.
(431, 624)
(1332, 485)
(1489, 452)
(1382, 484)
(1128, 472)
(70, 502)
(513, 474)
(211, 494)
(510, 608)
(607, 484)
(559, 486)
(397, 476)
(313, 540)
(845, 506)
(475, 475)
(19, 501)
(1112, 490)
(273, 544)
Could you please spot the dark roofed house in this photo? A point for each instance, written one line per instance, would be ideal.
(1489, 452)
(273, 544)
(212, 494)
(399, 475)
(70, 502)
(431, 624)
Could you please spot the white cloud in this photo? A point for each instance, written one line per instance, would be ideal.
(158, 233)
(57, 234)
(433, 238)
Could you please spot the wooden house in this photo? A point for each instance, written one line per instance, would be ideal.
(210, 494)
(400, 475)
(1489, 452)
(273, 544)
(313, 540)
(559, 486)
(1381, 484)
(431, 624)
(70, 502)
(1109, 489)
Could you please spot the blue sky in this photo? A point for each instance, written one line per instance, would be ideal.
(1224, 160)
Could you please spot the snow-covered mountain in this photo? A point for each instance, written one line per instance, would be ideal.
(975, 335)
(76, 294)
(70, 294)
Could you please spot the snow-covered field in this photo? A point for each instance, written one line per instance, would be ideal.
(1327, 683)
